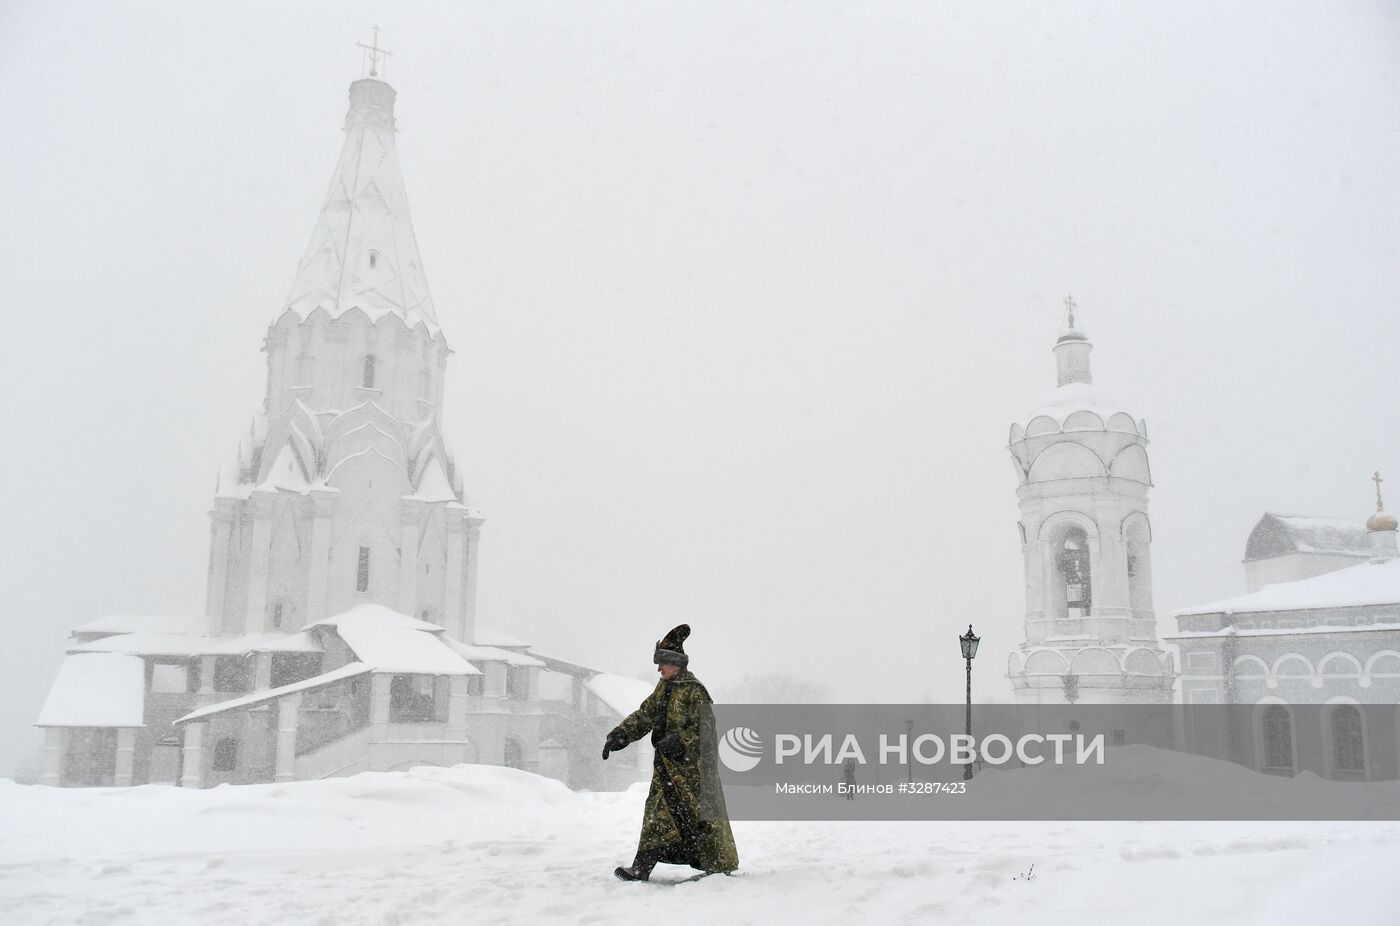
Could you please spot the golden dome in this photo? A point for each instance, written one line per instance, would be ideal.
(1380, 521)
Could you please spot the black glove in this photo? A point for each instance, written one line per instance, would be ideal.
(671, 746)
(614, 742)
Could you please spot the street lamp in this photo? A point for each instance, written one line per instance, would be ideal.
(969, 643)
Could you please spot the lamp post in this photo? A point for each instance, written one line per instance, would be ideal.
(969, 643)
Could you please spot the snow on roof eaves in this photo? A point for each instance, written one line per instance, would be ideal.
(335, 675)
(376, 612)
(1318, 629)
(566, 666)
(485, 636)
(388, 641)
(142, 623)
(619, 692)
(1076, 397)
(170, 644)
(476, 653)
(1363, 585)
(96, 690)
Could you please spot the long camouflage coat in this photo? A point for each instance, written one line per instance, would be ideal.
(686, 822)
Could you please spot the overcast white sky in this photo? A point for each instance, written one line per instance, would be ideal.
(744, 298)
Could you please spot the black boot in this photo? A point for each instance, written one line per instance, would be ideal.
(639, 870)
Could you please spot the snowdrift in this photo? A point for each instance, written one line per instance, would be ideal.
(477, 843)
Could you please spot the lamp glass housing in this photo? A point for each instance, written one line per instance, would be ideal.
(969, 643)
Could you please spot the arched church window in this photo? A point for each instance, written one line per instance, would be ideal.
(367, 380)
(1072, 560)
(362, 571)
(1278, 739)
(514, 756)
(1348, 750)
(373, 259)
(1137, 538)
(225, 755)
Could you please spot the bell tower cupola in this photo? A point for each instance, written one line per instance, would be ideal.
(1072, 349)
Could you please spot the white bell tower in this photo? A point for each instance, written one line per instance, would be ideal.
(1081, 461)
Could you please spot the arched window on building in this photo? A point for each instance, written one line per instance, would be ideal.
(1137, 539)
(514, 755)
(225, 755)
(1072, 563)
(1278, 740)
(362, 571)
(1348, 749)
(367, 380)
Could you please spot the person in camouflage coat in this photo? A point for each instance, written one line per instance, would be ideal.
(685, 822)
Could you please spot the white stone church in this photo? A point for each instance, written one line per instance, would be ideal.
(1313, 646)
(1299, 673)
(340, 632)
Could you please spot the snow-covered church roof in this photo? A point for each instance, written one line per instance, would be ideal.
(387, 641)
(185, 644)
(619, 692)
(1076, 403)
(1365, 584)
(97, 690)
(142, 623)
(1282, 534)
(363, 253)
(1065, 400)
(352, 670)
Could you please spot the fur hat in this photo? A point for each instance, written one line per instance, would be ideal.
(671, 648)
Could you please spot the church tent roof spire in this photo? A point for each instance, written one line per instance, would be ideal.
(363, 253)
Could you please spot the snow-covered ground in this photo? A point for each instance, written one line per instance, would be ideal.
(480, 844)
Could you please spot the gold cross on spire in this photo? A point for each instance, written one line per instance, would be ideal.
(1070, 306)
(1376, 478)
(374, 52)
